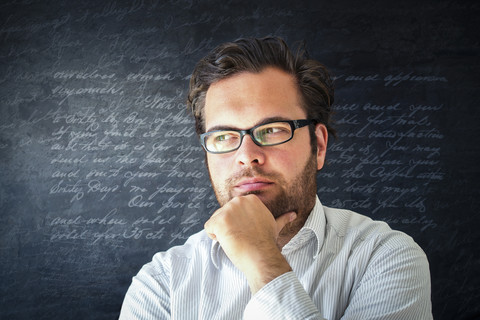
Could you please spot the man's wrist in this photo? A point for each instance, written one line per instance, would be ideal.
(268, 268)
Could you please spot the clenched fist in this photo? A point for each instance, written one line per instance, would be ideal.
(248, 233)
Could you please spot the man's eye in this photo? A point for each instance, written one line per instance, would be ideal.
(223, 137)
(266, 131)
(271, 130)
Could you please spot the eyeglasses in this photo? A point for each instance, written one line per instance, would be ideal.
(265, 134)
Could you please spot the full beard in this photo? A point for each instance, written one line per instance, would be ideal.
(299, 195)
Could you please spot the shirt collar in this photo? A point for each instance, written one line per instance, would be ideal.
(314, 227)
(215, 252)
(315, 223)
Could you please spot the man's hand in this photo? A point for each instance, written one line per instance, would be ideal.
(248, 234)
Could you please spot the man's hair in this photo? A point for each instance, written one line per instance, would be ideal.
(254, 55)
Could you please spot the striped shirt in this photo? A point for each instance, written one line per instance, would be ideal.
(345, 266)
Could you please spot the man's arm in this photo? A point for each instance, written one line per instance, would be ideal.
(282, 298)
(396, 284)
(247, 232)
(148, 295)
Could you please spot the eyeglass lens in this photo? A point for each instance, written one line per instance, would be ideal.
(265, 135)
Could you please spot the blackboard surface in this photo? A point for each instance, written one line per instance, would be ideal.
(100, 167)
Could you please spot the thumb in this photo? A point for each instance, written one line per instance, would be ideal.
(284, 219)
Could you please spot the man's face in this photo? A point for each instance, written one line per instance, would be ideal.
(282, 176)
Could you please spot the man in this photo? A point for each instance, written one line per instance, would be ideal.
(272, 251)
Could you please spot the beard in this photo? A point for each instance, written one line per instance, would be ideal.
(298, 195)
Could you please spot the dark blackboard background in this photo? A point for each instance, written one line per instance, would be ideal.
(100, 168)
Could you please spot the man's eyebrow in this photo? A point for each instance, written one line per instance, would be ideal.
(262, 121)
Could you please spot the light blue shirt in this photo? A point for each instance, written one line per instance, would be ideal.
(345, 266)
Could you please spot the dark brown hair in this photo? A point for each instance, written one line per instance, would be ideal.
(254, 55)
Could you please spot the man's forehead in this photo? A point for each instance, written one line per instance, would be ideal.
(248, 99)
(235, 126)
(244, 120)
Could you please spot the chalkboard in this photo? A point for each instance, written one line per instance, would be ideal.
(100, 167)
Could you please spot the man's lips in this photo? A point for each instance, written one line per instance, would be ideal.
(253, 184)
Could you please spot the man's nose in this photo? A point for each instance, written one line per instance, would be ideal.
(249, 153)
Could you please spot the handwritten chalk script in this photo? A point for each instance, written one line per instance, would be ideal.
(372, 163)
(136, 157)
(393, 79)
(112, 230)
(121, 142)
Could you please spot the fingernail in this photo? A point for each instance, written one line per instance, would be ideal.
(293, 216)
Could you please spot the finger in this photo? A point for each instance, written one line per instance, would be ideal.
(209, 229)
(284, 219)
(212, 236)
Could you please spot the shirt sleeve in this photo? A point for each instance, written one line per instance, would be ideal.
(395, 286)
(148, 296)
(282, 298)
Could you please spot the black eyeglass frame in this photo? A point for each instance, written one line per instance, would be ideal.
(294, 125)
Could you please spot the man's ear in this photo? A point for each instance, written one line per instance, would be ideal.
(322, 139)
